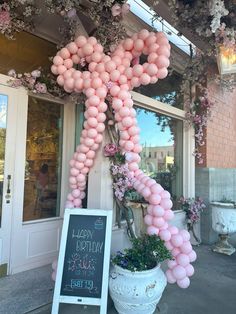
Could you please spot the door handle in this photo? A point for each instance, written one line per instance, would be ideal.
(9, 184)
(8, 194)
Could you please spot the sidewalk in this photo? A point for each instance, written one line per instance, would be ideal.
(212, 290)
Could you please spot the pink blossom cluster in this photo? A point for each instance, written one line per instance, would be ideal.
(120, 10)
(193, 208)
(122, 180)
(197, 114)
(225, 36)
(110, 150)
(5, 18)
(117, 68)
(28, 80)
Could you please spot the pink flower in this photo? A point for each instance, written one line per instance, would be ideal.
(117, 10)
(71, 13)
(5, 20)
(41, 88)
(109, 84)
(12, 73)
(110, 150)
(36, 73)
(125, 9)
(82, 62)
(135, 61)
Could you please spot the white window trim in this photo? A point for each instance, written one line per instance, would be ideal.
(188, 138)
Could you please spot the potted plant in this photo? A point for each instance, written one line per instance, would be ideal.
(224, 223)
(136, 280)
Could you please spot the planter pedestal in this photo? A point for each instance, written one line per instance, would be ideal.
(224, 223)
(223, 246)
(136, 292)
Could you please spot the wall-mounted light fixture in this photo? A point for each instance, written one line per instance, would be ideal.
(226, 60)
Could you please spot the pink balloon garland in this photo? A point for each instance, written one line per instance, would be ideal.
(114, 75)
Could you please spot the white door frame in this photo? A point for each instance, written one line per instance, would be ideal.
(6, 221)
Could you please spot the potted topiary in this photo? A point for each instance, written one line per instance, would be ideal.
(136, 280)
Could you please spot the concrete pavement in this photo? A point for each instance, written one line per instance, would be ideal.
(212, 290)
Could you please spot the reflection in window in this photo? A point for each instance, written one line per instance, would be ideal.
(161, 158)
(3, 126)
(43, 160)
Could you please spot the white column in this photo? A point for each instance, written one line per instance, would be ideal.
(100, 194)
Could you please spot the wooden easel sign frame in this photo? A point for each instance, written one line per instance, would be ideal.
(84, 259)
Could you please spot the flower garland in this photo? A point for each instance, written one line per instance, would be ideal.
(193, 208)
(213, 20)
(197, 114)
(122, 179)
(17, 16)
(108, 82)
(37, 82)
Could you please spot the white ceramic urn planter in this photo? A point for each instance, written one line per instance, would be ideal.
(224, 223)
(136, 292)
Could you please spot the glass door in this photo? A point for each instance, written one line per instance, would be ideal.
(36, 144)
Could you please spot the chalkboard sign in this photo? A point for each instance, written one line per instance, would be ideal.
(83, 265)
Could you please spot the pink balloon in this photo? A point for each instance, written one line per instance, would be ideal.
(148, 220)
(158, 222)
(156, 188)
(179, 272)
(182, 259)
(170, 278)
(69, 204)
(169, 214)
(168, 245)
(185, 234)
(146, 191)
(127, 122)
(183, 283)
(166, 203)
(192, 256)
(165, 235)
(154, 199)
(162, 73)
(175, 251)
(177, 240)
(77, 202)
(173, 230)
(80, 41)
(189, 270)
(171, 264)
(151, 230)
(165, 194)
(186, 248)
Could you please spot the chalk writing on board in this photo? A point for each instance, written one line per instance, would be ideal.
(83, 264)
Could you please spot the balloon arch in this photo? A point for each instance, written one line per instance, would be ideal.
(114, 75)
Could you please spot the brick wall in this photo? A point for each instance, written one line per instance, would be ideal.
(220, 146)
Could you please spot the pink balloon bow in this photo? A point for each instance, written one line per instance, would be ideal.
(114, 76)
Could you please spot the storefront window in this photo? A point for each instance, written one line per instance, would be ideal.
(43, 160)
(3, 126)
(161, 137)
(166, 91)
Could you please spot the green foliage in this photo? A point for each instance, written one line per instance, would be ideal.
(146, 252)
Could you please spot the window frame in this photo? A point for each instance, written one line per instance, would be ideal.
(148, 103)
